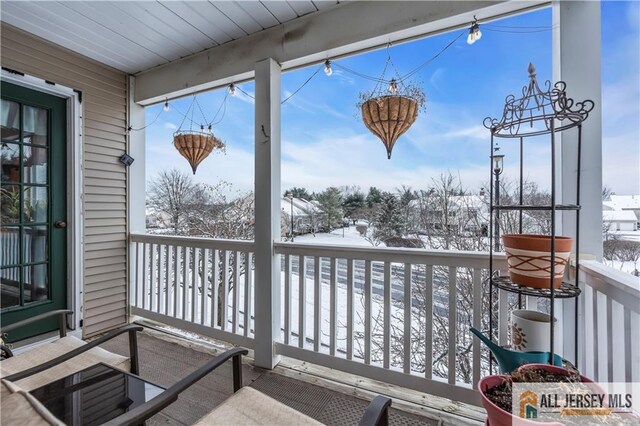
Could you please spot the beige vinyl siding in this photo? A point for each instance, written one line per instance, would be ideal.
(105, 179)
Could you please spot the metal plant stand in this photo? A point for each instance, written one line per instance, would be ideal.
(538, 112)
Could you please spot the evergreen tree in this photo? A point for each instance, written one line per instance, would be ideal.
(373, 197)
(331, 204)
(390, 221)
(352, 203)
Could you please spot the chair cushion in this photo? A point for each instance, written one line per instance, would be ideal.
(18, 407)
(46, 352)
(251, 407)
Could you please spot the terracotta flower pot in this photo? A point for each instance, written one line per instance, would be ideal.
(529, 259)
(496, 416)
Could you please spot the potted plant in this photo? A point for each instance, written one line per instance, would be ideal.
(529, 259)
(496, 391)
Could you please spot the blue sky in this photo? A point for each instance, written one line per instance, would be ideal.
(325, 143)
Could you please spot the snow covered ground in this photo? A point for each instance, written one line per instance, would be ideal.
(338, 237)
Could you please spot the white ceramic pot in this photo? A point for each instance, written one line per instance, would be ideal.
(530, 332)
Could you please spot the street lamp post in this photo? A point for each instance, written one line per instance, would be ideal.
(289, 196)
(497, 160)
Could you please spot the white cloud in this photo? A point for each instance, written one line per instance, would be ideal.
(170, 126)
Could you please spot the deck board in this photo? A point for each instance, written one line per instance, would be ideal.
(165, 362)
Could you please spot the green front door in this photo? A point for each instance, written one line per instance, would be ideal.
(33, 252)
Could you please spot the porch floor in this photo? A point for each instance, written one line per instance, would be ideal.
(164, 362)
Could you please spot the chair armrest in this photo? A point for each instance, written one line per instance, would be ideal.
(131, 329)
(139, 414)
(60, 313)
(377, 413)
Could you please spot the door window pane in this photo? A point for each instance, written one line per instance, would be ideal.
(35, 204)
(35, 125)
(36, 283)
(34, 244)
(10, 120)
(10, 204)
(9, 245)
(10, 162)
(35, 164)
(10, 287)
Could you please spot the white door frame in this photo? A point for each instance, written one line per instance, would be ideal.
(75, 213)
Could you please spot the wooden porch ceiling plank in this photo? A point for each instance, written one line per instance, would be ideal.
(48, 21)
(259, 13)
(206, 18)
(281, 10)
(302, 7)
(150, 38)
(239, 16)
(342, 30)
(157, 16)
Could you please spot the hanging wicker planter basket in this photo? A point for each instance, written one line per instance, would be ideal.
(196, 146)
(388, 117)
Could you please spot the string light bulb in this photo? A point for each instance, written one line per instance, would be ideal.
(393, 86)
(232, 89)
(474, 32)
(165, 108)
(327, 68)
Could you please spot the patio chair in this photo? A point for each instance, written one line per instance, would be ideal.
(246, 406)
(56, 356)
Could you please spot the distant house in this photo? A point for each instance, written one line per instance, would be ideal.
(624, 203)
(620, 220)
(307, 215)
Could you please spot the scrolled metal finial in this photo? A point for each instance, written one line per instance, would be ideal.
(532, 70)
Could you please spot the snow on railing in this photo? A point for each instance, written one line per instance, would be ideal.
(385, 314)
(609, 310)
(196, 284)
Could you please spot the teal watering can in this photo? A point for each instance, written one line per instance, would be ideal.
(509, 360)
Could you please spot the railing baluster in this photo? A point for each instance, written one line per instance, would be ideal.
(215, 286)
(287, 298)
(302, 301)
(367, 312)
(333, 291)
(453, 311)
(160, 279)
(152, 279)
(610, 331)
(236, 292)
(317, 304)
(349, 308)
(204, 279)
(167, 277)
(408, 337)
(247, 293)
(185, 280)
(137, 274)
(428, 338)
(144, 276)
(477, 323)
(225, 290)
(628, 365)
(194, 283)
(596, 341)
(386, 316)
(176, 279)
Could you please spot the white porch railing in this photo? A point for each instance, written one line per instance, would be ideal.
(609, 324)
(181, 282)
(382, 313)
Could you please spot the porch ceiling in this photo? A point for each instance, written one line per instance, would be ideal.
(133, 36)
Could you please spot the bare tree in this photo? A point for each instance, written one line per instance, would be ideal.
(171, 193)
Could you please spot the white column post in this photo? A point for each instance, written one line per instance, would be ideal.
(577, 61)
(267, 211)
(136, 176)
